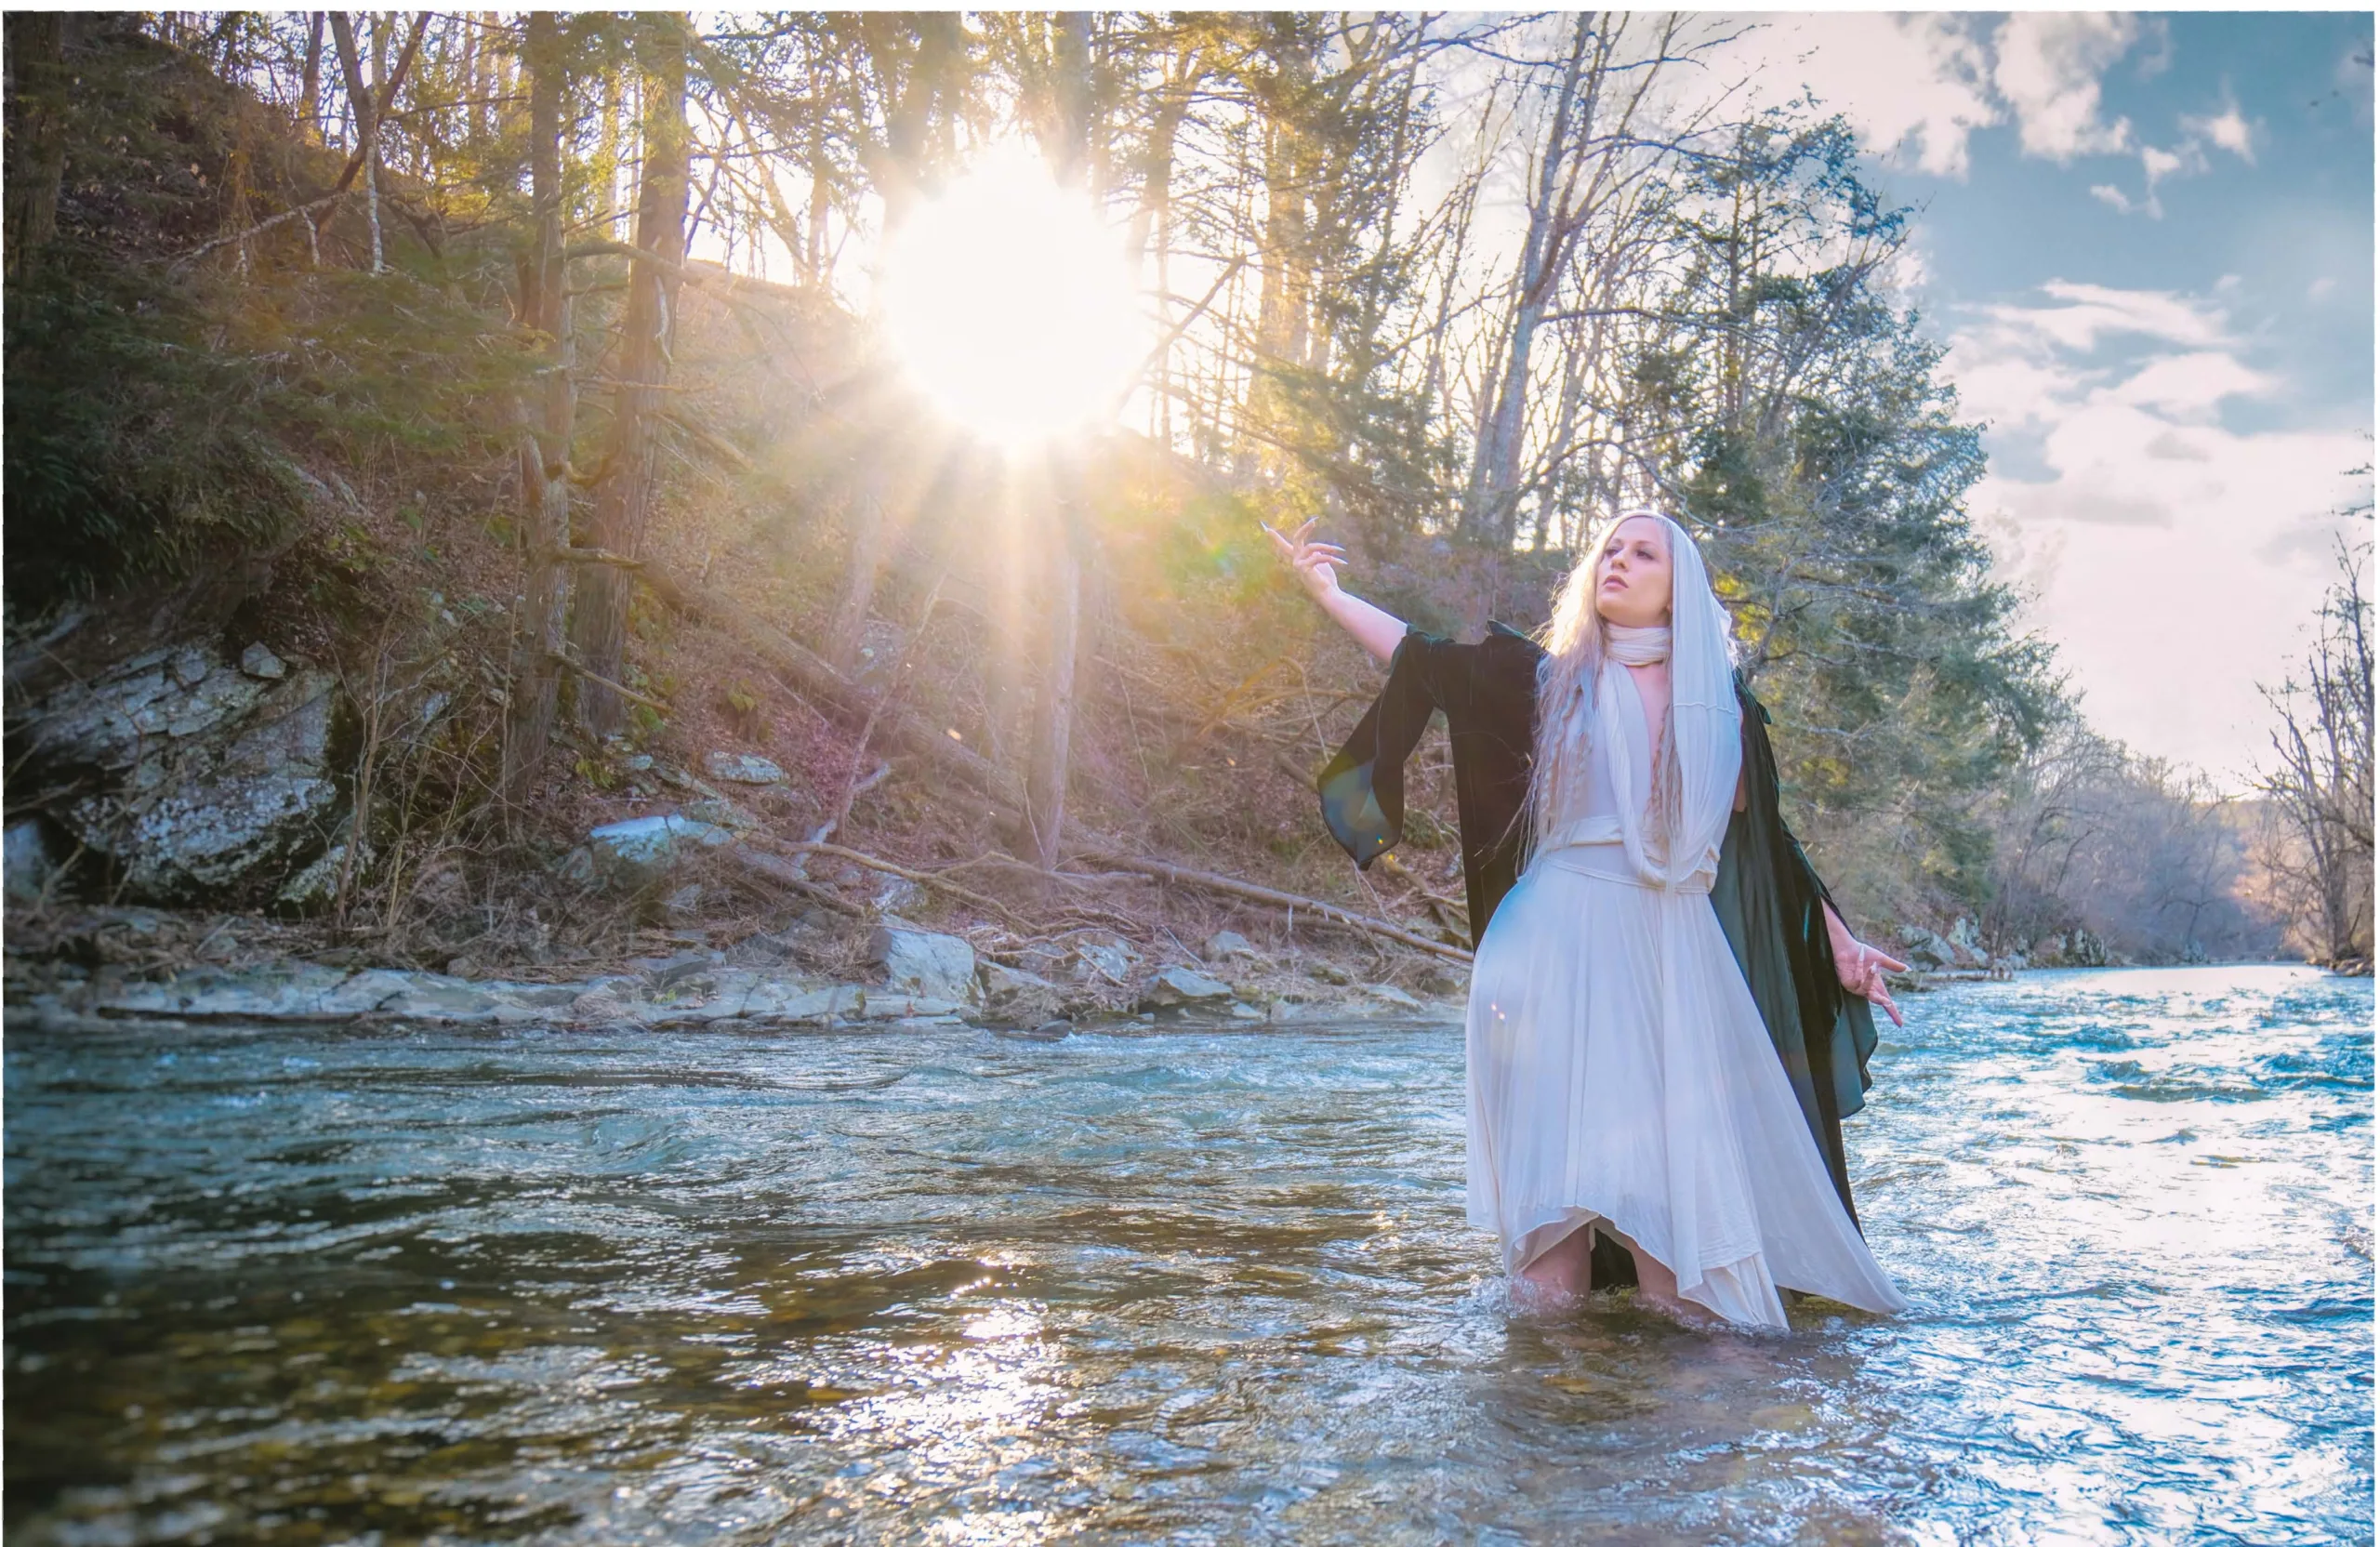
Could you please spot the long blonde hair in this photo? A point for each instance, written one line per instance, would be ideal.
(1576, 640)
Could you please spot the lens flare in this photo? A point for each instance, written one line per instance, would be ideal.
(1007, 303)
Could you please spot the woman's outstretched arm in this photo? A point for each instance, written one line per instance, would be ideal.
(1315, 564)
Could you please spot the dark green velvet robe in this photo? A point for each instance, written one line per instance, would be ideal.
(1767, 896)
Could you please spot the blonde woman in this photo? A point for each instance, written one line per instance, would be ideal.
(1668, 1019)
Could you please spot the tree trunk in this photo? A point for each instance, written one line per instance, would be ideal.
(607, 190)
(822, 189)
(871, 536)
(546, 484)
(1053, 706)
(1157, 161)
(310, 98)
(36, 74)
(599, 614)
(940, 49)
(1052, 743)
(361, 101)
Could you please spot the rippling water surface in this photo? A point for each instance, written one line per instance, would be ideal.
(1186, 1286)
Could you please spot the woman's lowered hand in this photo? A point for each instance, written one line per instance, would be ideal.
(1861, 967)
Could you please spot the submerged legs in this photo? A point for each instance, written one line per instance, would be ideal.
(1564, 1272)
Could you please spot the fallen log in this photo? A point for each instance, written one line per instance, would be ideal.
(777, 870)
(1231, 887)
(921, 878)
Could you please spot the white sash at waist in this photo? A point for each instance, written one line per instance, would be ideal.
(1591, 846)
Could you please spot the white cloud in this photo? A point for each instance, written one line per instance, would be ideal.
(2174, 560)
(2048, 72)
(2086, 313)
(2226, 132)
(1914, 87)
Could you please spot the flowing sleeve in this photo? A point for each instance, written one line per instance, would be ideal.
(1487, 692)
(1769, 901)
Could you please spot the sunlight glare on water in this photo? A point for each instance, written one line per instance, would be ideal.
(1180, 1285)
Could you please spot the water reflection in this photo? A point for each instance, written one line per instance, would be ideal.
(1176, 1286)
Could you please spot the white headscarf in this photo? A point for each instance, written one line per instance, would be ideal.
(1704, 738)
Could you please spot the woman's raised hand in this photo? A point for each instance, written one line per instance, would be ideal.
(1315, 562)
(1317, 570)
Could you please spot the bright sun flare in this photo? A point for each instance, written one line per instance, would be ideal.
(1007, 302)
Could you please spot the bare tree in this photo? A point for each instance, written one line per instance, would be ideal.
(624, 491)
(545, 453)
(1593, 160)
(2321, 783)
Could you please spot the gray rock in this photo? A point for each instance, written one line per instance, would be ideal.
(598, 1004)
(197, 779)
(1171, 987)
(577, 866)
(837, 1002)
(259, 662)
(922, 1008)
(1225, 944)
(451, 1002)
(110, 723)
(1328, 973)
(741, 768)
(316, 887)
(674, 969)
(722, 812)
(684, 903)
(1445, 982)
(29, 862)
(639, 853)
(1110, 964)
(1390, 993)
(536, 995)
(1017, 996)
(917, 961)
(230, 812)
(1246, 1012)
(1923, 948)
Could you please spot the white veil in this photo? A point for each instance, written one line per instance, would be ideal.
(1705, 727)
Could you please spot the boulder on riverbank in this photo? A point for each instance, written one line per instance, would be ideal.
(919, 962)
(193, 779)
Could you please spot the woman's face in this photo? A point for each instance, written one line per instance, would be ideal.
(1633, 573)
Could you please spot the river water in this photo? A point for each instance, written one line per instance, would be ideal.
(1162, 1285)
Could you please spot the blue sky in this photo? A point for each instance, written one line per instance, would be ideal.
(2147, 240)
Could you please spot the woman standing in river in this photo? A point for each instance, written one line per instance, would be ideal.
(1668, 1018)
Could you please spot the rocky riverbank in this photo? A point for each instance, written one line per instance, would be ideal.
(922, 978)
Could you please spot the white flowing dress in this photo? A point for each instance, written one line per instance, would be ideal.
(1590, 1103)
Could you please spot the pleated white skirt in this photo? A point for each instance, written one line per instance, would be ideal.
(1595, 1096)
